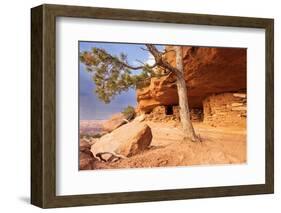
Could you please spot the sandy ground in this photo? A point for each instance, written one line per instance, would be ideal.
(218, 146)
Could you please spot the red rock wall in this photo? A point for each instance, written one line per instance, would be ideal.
(207, 71)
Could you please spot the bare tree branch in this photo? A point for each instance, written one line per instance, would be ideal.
(140, 62)
(144, 49)
(161, 61)
(163, 74)
(129, 66)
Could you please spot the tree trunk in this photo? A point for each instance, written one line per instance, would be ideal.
(183, 100)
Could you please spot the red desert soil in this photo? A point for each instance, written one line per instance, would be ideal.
(218, 146)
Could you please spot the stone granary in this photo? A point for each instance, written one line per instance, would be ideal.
(217, 83)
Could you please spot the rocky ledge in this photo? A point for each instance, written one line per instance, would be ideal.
(207, 71)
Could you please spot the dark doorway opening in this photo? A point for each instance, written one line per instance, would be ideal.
(169, 110)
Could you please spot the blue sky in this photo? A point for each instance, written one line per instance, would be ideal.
(91, 108)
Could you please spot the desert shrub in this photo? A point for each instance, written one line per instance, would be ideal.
(129, 112)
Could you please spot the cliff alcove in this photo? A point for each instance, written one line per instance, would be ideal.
(213, 75)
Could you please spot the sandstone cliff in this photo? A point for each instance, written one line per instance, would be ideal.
(207, 71)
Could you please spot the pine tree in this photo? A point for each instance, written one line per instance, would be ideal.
(113, 74)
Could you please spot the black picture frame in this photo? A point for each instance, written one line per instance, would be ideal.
(43, 105)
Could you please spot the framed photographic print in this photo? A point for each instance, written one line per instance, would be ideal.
(136, 106)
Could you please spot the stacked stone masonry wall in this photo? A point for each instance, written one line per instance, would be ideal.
(226, 109)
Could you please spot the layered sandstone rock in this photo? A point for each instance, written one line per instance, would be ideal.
(161, 91)
(207, 71)
(114, 122)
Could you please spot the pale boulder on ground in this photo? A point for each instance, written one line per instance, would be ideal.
(128, 140)
(114, 122)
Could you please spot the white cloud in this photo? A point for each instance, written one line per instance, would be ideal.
(150, 59)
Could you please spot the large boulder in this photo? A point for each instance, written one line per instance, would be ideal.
(114, 122)
(86, 158)
(125, 141)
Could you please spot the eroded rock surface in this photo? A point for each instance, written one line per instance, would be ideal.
(207, 71)
(125, 141)
(86, 157)
(114, 122)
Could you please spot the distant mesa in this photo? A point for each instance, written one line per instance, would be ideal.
(101, 127)
(91, 127)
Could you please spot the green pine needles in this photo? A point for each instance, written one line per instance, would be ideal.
(112, 74)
